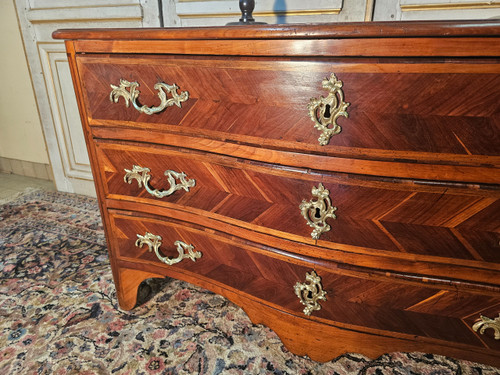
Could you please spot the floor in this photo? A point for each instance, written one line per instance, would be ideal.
(12, 184)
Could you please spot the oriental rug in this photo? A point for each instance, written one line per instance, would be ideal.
(59, 313)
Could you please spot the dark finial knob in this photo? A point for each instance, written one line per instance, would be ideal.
(246, 7)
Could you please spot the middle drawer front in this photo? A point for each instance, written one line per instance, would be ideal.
(353, 298)
(381, 216)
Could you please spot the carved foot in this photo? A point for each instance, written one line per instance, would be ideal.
(127, 287)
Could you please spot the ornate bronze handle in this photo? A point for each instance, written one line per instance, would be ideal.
(324, 112)
(486, 323)
(310, 292)
(154, 243)
(132, 96)
(142, 176)
(316, 212)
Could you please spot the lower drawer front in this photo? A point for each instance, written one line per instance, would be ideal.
(353, 299)
(378, 215)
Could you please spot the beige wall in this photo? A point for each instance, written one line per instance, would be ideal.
(21, 134)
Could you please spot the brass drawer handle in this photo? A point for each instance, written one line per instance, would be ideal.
(132, 96)
(142, 176)
(316, 212)
(154, 243)
(310, 292)
(486, 323)
(324, 112)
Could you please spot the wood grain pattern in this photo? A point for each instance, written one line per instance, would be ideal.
(402, 112)
(449, 273)
(380, 218)
(445, 170)
(374, 305)
(322, 342)
(389, 47)
(413, 257)
(305, 31)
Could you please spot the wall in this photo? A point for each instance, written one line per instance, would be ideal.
(22, 145)
(408, 10)
(50, 74)
(217, 12)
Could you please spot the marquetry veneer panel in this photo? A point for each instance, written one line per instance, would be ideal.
(382, 216)
(353, 299)
(411, 262)
(409, 107)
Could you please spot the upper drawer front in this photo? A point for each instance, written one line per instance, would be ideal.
(353, 298)
(381, 216)
(398, 110)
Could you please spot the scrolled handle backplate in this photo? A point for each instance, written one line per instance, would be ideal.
(142, 176)
(487, 323)
(154, 242)
(310, 292)
(324, 112)
(317, 211)
(133, 95)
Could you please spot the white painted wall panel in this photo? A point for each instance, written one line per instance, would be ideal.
(218, 13)
(435, 9)
(51, 76)
(21, 136)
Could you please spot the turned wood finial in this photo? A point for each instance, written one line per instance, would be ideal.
(246, 7)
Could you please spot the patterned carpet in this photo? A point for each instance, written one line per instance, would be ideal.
(59, 314)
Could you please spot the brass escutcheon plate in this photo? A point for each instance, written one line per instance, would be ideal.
(317, 211)
(310, 292)
(324, 112)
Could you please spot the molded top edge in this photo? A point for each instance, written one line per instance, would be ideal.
(470, 28)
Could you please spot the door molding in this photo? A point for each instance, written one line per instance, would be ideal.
(51, 77)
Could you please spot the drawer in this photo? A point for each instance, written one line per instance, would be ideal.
(405, 110)
(354, 299)
(381, 217)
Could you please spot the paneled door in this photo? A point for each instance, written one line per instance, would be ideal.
(52, 80)
(216, 13)
(407, 10)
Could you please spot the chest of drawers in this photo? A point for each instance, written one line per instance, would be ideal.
(338, 182)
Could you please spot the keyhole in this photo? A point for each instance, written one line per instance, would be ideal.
(309, 294)
(326, 112)
(317, 213)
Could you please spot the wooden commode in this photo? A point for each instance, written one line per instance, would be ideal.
(339, 182)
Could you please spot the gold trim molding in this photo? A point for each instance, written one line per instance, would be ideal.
(450, 6)
(311, 12)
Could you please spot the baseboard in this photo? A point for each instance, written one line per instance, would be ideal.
(26, 168)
